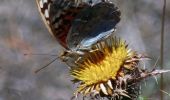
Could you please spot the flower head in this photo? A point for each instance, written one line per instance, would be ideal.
(104, 69)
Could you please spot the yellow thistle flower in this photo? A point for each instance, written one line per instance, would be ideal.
(98, 68)
(108, 70)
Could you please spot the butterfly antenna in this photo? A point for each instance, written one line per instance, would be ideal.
(26, 54)
(38, 70)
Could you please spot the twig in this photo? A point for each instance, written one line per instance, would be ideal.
(162, 48)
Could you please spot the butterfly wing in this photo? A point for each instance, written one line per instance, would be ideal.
(93, 24)
(58, 15)
(43, 8)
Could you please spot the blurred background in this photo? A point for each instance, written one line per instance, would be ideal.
(22, 31)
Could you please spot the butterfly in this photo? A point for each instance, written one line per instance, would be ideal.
(78, 24)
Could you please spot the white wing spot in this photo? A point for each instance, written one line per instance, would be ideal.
(41, 4)
(45, 1)
(46, 13)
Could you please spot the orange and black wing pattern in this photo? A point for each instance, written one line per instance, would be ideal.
(58, 16)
